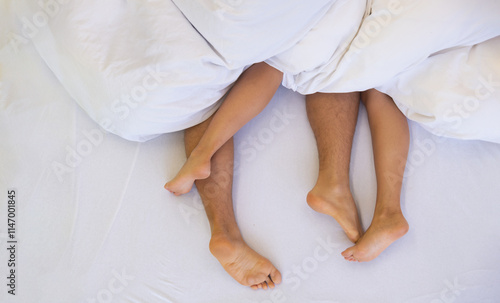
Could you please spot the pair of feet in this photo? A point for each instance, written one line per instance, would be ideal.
(251, 269)
(386, 226)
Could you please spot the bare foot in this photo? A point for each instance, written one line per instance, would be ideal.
(244, 264)
(338, 204)
(195, 168)
(384, 230)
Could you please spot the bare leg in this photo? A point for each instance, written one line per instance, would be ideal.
(391, 139)
(249, 96)
(227, 245)
(333, 120)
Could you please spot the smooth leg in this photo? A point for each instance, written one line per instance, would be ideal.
(244, 264)
(248, 97)
(333, 120)
(391, 139)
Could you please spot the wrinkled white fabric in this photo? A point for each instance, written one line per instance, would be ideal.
(455, 93)
(430, 56)
(137, 68)
(397, 35)
(140, 69)
(143, 68)
(245, 32)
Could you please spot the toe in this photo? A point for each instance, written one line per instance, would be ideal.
(275, 276)
(264, 285)
(270, 282)
(348, 252)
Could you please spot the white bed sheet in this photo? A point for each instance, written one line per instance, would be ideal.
(103, 229)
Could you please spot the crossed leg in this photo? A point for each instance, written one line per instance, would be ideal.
(390, 139)
(247, 98)
(333, 120)
(227, 245)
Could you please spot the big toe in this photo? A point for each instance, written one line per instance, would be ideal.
(275, 276)
(170, 186)
(348, 252)
(177, 189)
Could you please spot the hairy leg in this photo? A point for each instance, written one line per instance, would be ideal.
(244, 264)
(391, 139)
(333, 120)
(249, 96)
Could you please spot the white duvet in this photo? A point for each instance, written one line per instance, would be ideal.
(138, 68)
(143, 68)
(439, 60)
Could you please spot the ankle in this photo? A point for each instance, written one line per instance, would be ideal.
(223, 243)
(200, 154)
(334, 177)
(339, 189)
(227, 232)
(387, 212)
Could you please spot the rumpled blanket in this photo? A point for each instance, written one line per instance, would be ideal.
(144, 68)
